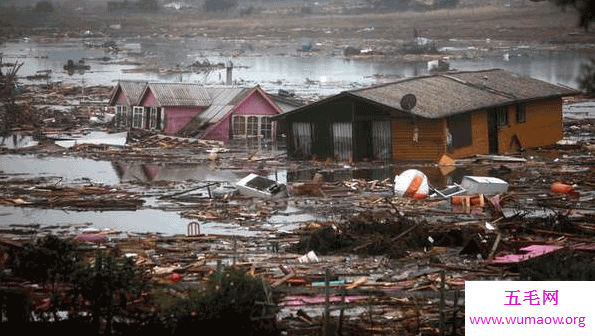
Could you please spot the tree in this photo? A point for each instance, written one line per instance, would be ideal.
(448, 3)
(50, 259)
(586, 13)
(231, 295)
(9, 111)
(390, 4)
(50, 262)
(44, 7)
(585, 9)
(108, 284)
(219, 5)
(586, 80)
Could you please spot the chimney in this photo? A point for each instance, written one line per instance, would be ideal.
(228, 67)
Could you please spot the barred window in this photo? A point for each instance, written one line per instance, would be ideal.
(137, 117)
(153, 118)
(521, 114)
(121, 115)
(252, 127)
(502, 116)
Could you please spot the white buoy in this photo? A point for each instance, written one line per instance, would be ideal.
(412, 183)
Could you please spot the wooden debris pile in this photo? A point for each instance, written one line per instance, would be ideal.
(85, 197)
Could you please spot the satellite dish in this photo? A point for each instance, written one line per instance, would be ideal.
(408, 101)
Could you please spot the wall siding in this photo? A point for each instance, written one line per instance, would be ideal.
(176, 117)
(121, 98)
(254, 104)
(543, 126)
(479, 134)
(431, 142)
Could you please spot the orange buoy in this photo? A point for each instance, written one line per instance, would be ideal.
(561, 188)
(414, 186)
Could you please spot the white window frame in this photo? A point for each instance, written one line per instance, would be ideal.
(153, 118)
(121, 115)
(138, 116)
(252, 126)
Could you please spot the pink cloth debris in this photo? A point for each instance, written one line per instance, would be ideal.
(532, 251)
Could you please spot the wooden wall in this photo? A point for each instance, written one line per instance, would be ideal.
(543, 126)
(479, 132)
(430, 144)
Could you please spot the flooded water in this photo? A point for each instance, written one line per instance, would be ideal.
(141, 221)
(321, 73)
(70, 169)
(306, 73)
(148, 219)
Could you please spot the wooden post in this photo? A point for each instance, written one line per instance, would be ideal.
(235, 249)
(341, 314)
(326, 322)
(442, 301)
(454, 314)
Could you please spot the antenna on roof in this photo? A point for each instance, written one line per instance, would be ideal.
(228, 71)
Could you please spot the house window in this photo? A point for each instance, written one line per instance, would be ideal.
(460, 128)
(252, 127)
(266, 127)
(121, 115)
(520, 113)
(137, 117)
(302, 138)
(502, 117)
(153, 115)
(239, 126)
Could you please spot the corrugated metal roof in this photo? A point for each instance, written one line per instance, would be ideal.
(132, 91)
(180, 94)
(223, 100)
(447, 94)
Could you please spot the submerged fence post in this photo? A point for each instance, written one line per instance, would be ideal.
(442, 301)
(327, 310)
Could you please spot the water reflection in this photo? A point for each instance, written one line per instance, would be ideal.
(152, 172)
(146, 220)
(439, 177)
(17, 140)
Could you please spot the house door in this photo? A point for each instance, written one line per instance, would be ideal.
(381, 140)
(493, 131)
(343, 140)
(364, 145)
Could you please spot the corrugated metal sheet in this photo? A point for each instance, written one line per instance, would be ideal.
(132, 90)
(180, 94)
(343, 140)
(223, 99)
(381, 140)
(302, 138)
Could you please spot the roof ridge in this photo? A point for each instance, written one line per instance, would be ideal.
(482, 87)
(421, 77)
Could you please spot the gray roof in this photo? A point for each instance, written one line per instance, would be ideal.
(132, 91)
(180, 94)
(223, 99)
(447, 94)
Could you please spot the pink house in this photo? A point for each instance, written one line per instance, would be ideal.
(169, 106)
(191, 110)
(235, 114)
(123, 98)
